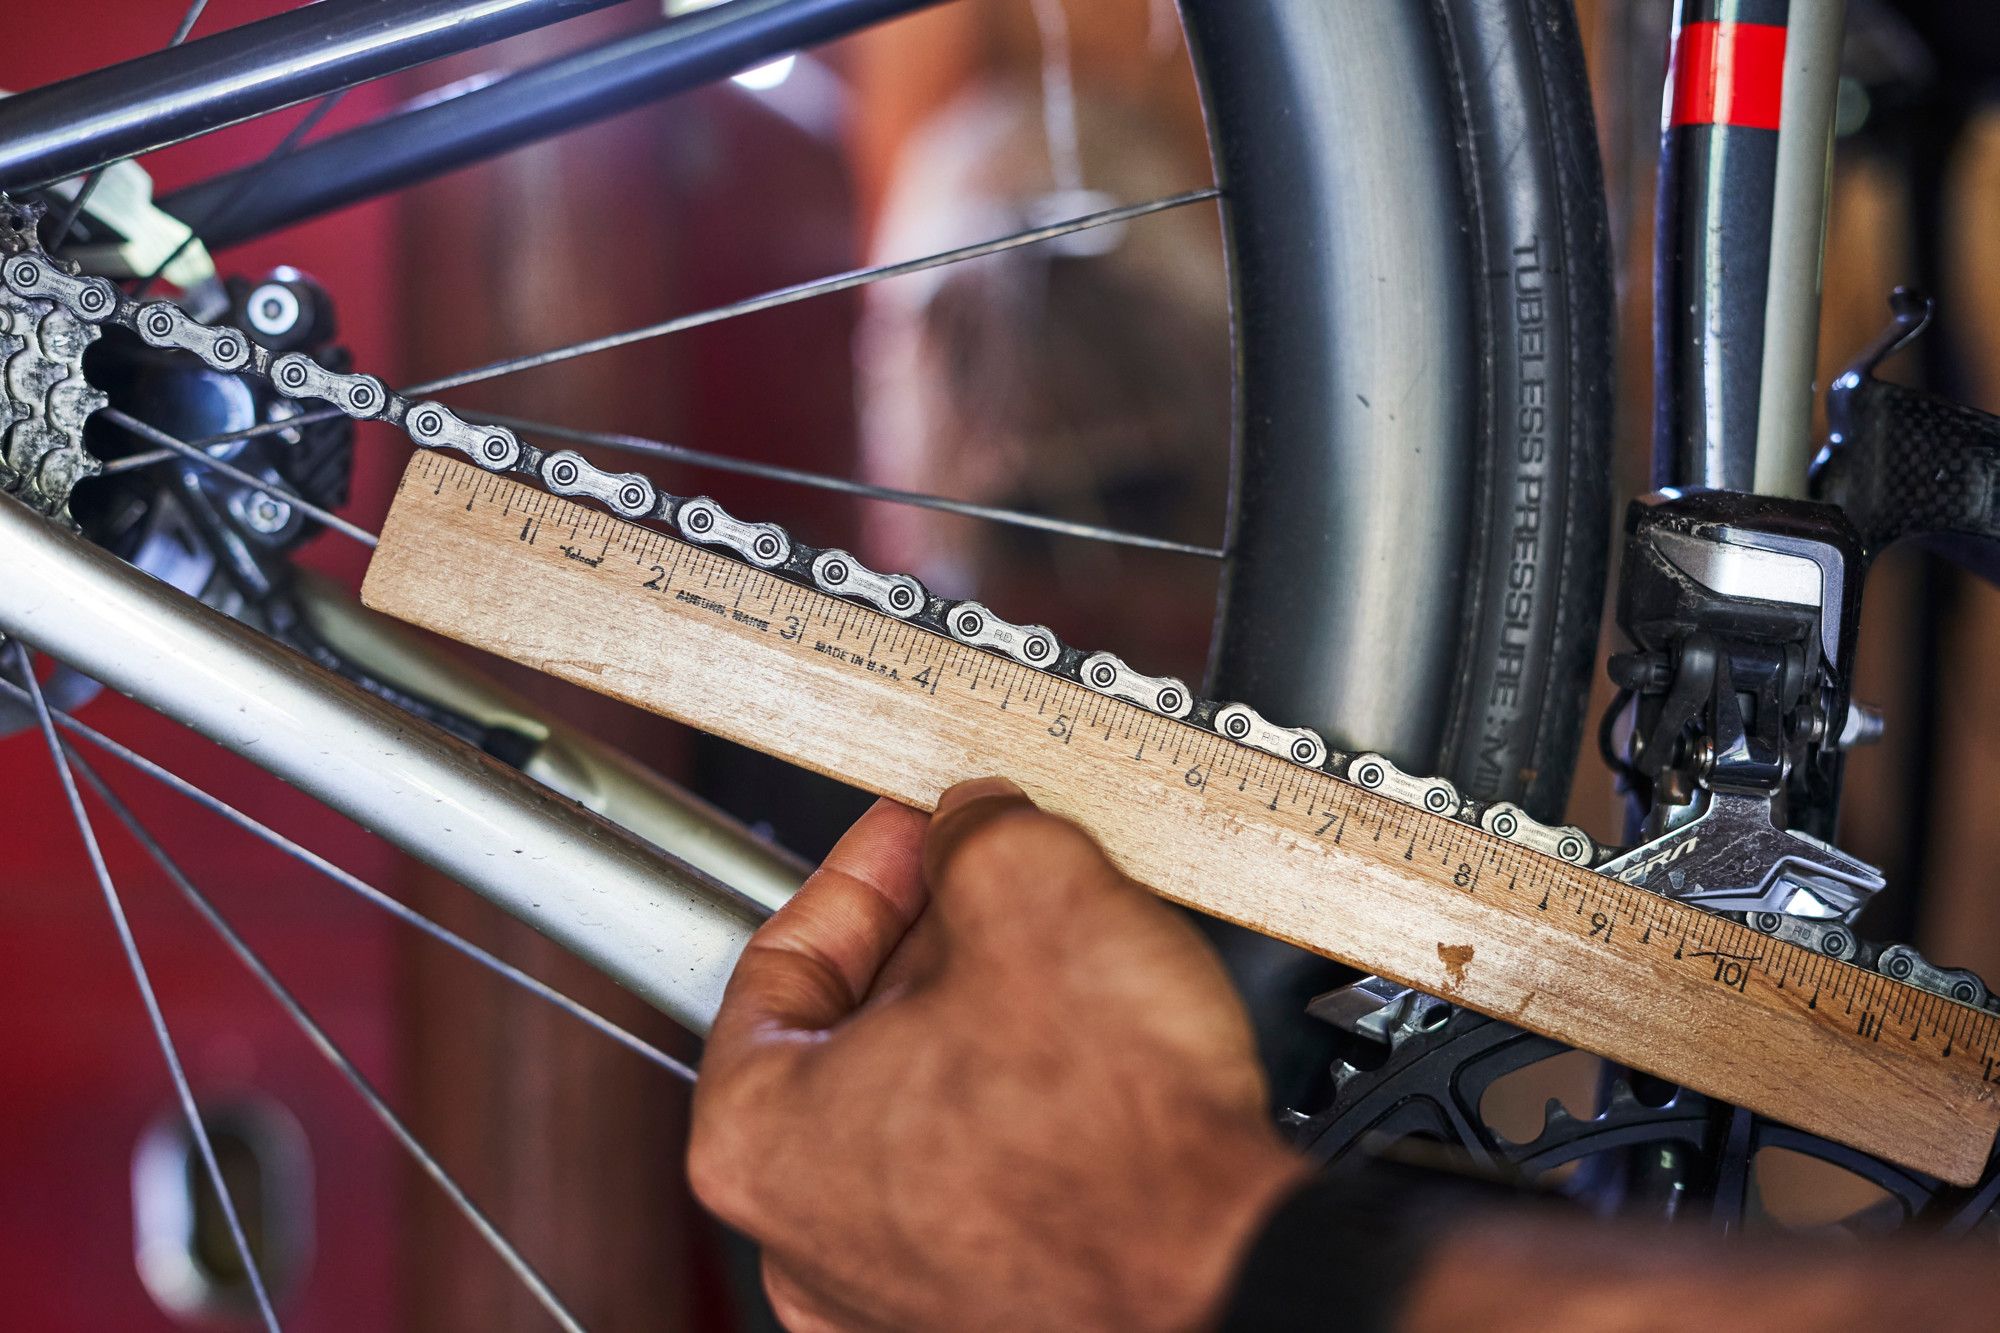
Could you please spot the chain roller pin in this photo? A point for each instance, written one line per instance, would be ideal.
(1030, 645)
(436, 426)
(1376, 774)
(625, 493)
(1506, 820)
(163, 324)
(297, 375)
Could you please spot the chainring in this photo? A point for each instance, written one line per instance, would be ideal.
(1647, 1148)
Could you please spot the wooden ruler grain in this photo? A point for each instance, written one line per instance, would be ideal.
(1224, 829)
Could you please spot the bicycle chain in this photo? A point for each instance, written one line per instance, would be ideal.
(31, 277)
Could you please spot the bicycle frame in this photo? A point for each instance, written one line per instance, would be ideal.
(472, 123)
(1746, 148)
(81, 124)
(95, 119)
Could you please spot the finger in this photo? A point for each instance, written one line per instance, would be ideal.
(810, 964)
(797, 1310)
(916, 960)
(991, 847)
(962, 811)
(803, 1306)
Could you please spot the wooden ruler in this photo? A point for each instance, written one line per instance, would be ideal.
(1227, 830)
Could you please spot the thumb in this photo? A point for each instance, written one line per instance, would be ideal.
(809, 966)
(992, 855)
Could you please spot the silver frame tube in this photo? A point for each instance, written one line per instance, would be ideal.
(570, 762)
(65, 129)
(1785, 443)
(667, 931)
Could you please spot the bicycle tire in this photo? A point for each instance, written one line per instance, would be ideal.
(1424, 318)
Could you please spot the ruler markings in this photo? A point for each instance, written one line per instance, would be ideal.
(1221, 827)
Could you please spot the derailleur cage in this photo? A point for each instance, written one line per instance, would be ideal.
(1741, 611)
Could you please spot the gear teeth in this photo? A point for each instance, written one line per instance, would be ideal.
(1246, 726)
(1030, 645)
(1555, 1117)
(841, 574)
(1625, 1099)
(1374, 773)
(1162, 694)
(45, 400)
(1506, 820)
(1621, 1104)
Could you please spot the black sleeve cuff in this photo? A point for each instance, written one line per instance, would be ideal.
(1344, 1249)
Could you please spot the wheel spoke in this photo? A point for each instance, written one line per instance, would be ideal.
(362, 889)
(70, 215)
(59, 755)
(188, 20)
(638, 444)
(154, 435)
(244, 187)
(770, 300)
(365, 1090)
(170, 448)
(806, 291)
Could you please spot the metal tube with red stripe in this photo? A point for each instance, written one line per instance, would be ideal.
(1742, 212)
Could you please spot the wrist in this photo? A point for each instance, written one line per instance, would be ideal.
(1362, 1239)
(1239, 1190)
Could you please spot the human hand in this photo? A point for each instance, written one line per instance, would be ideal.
(973, 1077)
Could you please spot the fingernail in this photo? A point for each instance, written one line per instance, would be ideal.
(979, 789)
(962, 809)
